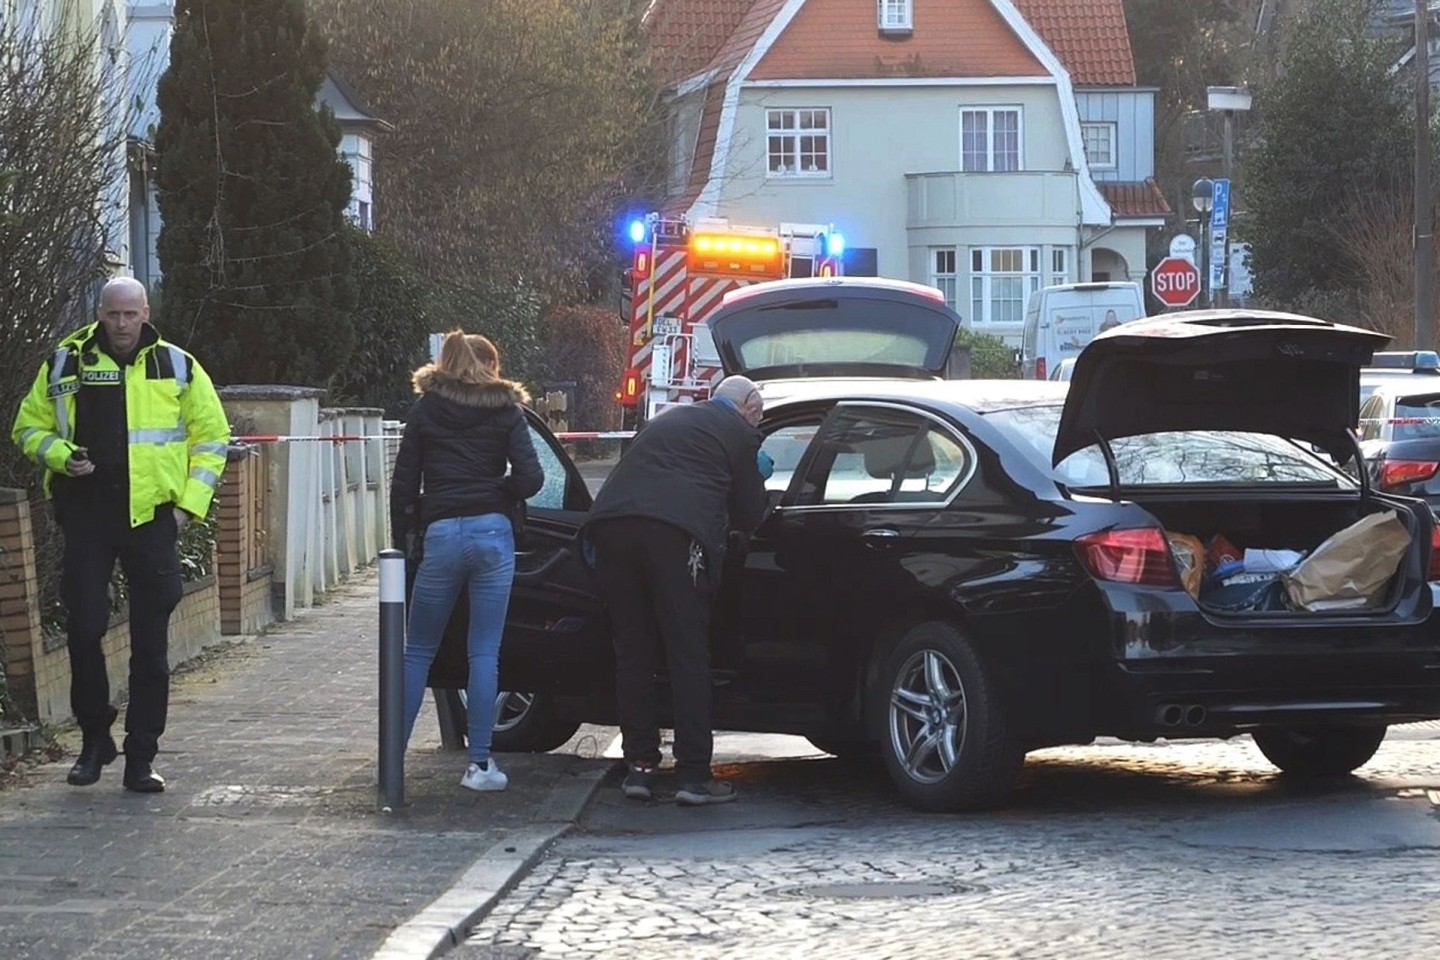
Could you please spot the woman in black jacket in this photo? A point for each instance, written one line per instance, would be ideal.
(462, 433)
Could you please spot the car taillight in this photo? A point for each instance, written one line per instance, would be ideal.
(1039, 368)
(1434, 572)
(1398, 473)
(1129, 556)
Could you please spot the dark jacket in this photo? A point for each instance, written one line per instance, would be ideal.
(458, 441)
(692, 466)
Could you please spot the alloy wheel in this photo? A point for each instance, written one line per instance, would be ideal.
(511, 709)
(928, 716)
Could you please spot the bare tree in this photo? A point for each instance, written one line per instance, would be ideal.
(62, 154)
(1378, 241)
(63, 123)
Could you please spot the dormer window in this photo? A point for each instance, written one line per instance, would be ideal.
(895, 16)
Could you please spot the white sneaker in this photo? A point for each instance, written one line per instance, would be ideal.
(488, 777)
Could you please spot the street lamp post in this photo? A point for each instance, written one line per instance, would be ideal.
(1202, 195)
(1424, 211)
(1228, 101)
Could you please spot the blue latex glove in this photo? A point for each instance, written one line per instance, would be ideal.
(766, 464)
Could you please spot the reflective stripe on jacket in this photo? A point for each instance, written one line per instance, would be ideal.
(178, 432)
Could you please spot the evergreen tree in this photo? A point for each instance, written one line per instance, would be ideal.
(1332, 126)
(252, 196)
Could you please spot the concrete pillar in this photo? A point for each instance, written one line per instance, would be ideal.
(294, 481)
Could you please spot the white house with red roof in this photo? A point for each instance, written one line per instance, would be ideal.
(987, 147)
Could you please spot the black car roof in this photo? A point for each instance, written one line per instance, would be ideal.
(978, 396)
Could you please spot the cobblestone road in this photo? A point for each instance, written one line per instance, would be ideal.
(1163, 851)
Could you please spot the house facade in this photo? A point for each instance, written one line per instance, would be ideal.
(101, 21)
(987, 147)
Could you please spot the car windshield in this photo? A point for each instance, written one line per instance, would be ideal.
(1170, 458)
(793, 347)
(1417, 417)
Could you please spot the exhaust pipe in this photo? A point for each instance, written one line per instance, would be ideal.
(1178, 714)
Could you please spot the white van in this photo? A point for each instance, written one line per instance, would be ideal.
(1061, 320)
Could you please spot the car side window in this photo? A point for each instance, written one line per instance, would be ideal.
(868, 457)
(1371, 417)
(786, 445)
(937, 467)
(551, 496)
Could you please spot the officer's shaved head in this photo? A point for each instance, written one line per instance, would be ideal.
(125, 288)
(742, 392)
(124, 310)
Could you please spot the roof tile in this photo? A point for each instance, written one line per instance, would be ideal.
(1089, 36)
(685, 35)
(1135, 198)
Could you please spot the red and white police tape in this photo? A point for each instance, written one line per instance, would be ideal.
(343, 438)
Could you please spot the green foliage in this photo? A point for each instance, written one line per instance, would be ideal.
(252, 194)
(392, 326)
(1332, 126)
(585, 344)
(991, 358)
(522, 127)
(507, 313)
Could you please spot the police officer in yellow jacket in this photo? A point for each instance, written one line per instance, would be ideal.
(133, 440)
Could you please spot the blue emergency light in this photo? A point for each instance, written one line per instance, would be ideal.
(835, 245)
(637, 231)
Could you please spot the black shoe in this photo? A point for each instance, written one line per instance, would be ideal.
(140, 778)
(700, 794)
(639, 782)
(95, 754)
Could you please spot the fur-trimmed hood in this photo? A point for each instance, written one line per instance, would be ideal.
(492, 395)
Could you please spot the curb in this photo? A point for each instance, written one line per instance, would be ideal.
(446, 921)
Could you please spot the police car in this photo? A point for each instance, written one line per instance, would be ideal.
(1399, 424)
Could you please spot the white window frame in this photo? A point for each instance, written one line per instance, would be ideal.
(990, 113)
(895, 16)
(1111, 132)
(945, 274)
(1059, 265)
(794, 134)
(990, 284)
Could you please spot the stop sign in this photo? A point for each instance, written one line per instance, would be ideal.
(1175, 281)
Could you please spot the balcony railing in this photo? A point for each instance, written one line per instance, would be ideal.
(1025, 198)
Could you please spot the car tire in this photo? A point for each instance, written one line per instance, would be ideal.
(1326, 752)
(528, 723)
(944, 735)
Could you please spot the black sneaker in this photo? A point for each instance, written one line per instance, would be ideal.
(700, 794)
(639, 782)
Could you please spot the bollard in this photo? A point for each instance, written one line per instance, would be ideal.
(392, 680)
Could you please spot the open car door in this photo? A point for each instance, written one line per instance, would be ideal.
(557, 636)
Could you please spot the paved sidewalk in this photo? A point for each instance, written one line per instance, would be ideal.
(267, 843)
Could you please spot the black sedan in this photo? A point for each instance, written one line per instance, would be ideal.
(958, 572)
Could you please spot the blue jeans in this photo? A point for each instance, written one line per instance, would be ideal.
(478, 553)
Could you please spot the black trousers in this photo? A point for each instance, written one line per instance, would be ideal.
(658, 588)
(94, 539)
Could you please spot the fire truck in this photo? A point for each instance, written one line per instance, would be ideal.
(678, 275)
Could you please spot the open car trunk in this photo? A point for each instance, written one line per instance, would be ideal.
(1249, 543)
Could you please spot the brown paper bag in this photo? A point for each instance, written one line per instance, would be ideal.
(1352, 567)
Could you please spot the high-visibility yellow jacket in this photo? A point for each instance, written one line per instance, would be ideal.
(178, 432)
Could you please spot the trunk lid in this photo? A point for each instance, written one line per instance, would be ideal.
(834, 327)
(1241, 370)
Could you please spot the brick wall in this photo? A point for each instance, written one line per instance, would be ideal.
(19, 599)
(242, 562)
(236, 599)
